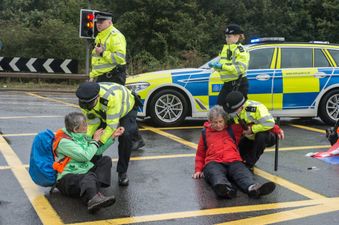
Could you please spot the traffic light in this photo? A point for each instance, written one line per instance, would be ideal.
(87, 28)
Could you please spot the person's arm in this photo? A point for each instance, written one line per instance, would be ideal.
(240, 64)
(118, 132)
(264, 118)
(199, 159)
(76, 152)
(116, 52)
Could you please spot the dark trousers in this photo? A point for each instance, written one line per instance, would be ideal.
(87, 185)
(220, 173)
(117, 75)
(251, 150)
(232, 86)
(129, 122)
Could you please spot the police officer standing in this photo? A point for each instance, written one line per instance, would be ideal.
(259, 129)
(109, 105)
(109, 53)
(233, 63)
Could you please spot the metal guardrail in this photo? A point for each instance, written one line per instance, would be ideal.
(44, 76)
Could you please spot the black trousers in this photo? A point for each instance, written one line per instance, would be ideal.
(232, 86)
(117, 75)
(87, 185)
(251, 150)
(220, 173)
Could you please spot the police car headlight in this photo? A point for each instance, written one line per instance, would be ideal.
(136, 87)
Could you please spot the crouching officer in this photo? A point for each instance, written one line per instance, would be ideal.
(109, 105)
(259, 129)
(109, 53)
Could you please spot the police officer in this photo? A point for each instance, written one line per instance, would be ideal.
(233, 63)
(259, 129)
(109, 53)
(109, 105)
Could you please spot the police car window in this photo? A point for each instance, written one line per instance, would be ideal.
(296, 57)
(261, 58)
(335, 55)
(320, 59)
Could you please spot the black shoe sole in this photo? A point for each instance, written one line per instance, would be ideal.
(266, 188)
(223, 191)
(100, 205)
(124, 183)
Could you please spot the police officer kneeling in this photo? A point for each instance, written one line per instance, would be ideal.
(259, 128)
(109, 105)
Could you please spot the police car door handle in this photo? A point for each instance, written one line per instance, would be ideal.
(319, 75)
(263, 77)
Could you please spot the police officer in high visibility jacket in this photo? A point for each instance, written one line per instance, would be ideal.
(233, 63)
(109, 105)
(258, 125)
(109, 53)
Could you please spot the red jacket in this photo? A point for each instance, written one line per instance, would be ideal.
(220, 147)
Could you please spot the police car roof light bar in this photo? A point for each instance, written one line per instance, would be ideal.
(267, 39)
(319, 42)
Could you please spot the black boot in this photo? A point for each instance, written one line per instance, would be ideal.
(123, 179)
(137, 144)
(257, 190)
(225, 191)
(99, 201)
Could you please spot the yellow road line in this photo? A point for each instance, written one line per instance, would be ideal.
(311, 147)
(210, 212)
(331, 205)
(53, 100)
(289, 185)
(39, 202)
(308, 128)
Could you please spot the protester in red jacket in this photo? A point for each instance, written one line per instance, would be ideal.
(218, 159)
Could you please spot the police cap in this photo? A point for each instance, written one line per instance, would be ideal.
(233, 101)
(233, 29)
(88, 91)
(103, 16)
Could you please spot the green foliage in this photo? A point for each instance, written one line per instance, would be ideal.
(161, 34)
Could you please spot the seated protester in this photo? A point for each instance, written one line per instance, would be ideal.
(259, 128)
(218, 160)
(82, 176)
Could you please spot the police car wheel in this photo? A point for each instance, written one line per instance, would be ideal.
(329, 107)
(168, 108)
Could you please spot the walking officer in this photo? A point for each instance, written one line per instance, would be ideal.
(109, 105)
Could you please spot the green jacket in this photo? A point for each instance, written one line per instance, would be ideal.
(234, 59)
(114, 44)
(81, 150)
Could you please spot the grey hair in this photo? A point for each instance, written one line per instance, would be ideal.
(216, 111)
(74, 120)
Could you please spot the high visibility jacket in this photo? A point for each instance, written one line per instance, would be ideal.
(115, 101)
(234, 59)
(256, 114)
(114, 44)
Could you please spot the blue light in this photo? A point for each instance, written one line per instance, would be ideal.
(255, 40)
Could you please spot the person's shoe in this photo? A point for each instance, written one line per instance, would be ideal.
(123, 179)
(224, 191)
(99, 201)
(138, 144)
(257, 190)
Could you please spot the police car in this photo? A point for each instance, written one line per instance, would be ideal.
(291, 79)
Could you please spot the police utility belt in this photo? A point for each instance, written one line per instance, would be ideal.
(117, 70)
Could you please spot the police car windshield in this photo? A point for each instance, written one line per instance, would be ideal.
(205, 66)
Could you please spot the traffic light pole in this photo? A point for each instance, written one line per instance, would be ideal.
(87, 47)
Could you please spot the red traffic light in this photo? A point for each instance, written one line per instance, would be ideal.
(90, 17)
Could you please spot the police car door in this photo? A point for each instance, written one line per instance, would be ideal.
(260, 74)
(298, 80)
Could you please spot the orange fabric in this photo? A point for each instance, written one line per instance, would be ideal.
(60, 165)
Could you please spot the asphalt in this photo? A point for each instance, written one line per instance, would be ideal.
(161, 189)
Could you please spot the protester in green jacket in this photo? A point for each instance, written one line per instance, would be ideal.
(83, 174)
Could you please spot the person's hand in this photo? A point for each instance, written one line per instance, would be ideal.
(90, 79)
(211, 64)
(217, 65)
(99, 50)
(118, 132)
(198, 175)
(248, 131)
(281, 134)
(97, 134)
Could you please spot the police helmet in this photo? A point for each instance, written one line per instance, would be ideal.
(87, 93)
(233, 29)
(233, 101)
(103, 16)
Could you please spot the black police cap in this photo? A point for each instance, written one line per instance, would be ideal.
(88, 91)
(233, 101)
(103, 16)
(233, 29)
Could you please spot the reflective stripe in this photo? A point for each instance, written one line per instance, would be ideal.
(252, 103)
(112, 117)
(102, 66)
(113, 126)
(120, 55)
(268, 124)
(236, 66)
(114, 61)
(265, 118)
(243, 65)
(94, 121)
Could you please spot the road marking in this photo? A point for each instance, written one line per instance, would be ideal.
(26, 117)
(53, 100)
(308, 128)
(39, 202)
(216, 211)
(330, 205)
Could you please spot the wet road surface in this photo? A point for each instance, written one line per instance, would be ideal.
(161, 189)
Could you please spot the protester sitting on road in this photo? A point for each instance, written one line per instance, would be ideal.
(260, 130)
(82, 176)
(218, 160)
